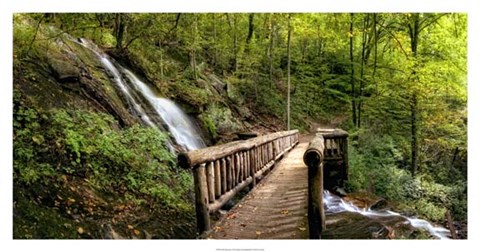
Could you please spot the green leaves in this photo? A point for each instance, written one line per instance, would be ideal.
(88, 144)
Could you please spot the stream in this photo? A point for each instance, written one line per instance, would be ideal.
(389, 221)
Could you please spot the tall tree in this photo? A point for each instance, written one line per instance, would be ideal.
(416, 23)
(352, 74)
(288, 69)
(270, 47)
(119, 29)
(250, 27)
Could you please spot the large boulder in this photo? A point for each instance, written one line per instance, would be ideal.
(63, 71)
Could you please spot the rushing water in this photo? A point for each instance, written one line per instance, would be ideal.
(334, 204)
(178, 123)
(144, 103)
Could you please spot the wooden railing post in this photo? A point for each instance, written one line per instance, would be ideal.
(313, 158)
(345, 157)
(221, 171)
(252, 168)
(201, 198)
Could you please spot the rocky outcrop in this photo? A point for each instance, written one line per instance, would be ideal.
(63, 71)
(69, 76)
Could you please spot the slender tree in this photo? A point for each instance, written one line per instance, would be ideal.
(288, 69)
(352, 74)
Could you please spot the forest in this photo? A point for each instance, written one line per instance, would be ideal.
(86, 167)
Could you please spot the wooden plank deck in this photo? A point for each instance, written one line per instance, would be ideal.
(275, 209)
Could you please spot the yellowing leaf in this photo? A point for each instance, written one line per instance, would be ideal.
(136, 232)
(37, 139)
(302, 228)
(80, 230)
(258, 232)
(130, 227)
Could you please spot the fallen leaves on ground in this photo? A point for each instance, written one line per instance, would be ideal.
(217, 229)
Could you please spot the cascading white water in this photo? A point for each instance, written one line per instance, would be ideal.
(179, 124)
(334, 204)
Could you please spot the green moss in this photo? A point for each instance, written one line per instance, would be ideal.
(209, 124)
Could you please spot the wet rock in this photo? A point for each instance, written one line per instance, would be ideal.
(365, 200)
(340, 191)
(64, 71)
(380, 204)
(350, 225)
(219, 86)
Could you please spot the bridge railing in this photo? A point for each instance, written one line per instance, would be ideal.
(336, 147)
(222, 171)
(327, 145)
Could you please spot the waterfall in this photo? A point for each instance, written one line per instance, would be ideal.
(144, 103)
(178, 123)
(334, 204)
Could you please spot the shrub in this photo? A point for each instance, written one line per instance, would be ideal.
(87, 144)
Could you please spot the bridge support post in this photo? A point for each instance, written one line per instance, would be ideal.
(201, 198)
(313, 158)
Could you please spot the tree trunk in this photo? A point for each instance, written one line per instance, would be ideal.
(364, 61)
(161, 60)
(214, 40)
(414, 30)
(352, 75)
(119, 29)
(413, 113)
(270, 50)
(193, 52)
(288, 71)
(250, 27)
(235, 42)
(376, 51)
(304, 49)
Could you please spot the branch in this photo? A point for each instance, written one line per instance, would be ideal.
(36, 31)
(393, 36)
(177, 20)
(433, 21)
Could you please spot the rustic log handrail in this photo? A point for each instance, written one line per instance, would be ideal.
(313, 158)
(222, 171)
(328, 144)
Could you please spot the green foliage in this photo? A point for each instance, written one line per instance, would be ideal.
(429, 210)
(34, 221)
(209, 124)
(377, 167)
(86, 144)
(23, 33)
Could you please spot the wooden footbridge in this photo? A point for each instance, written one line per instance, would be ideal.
(285, 179)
